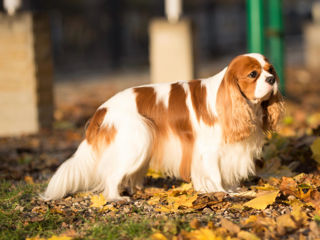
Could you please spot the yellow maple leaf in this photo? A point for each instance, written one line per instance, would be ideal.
(154, 200)
(182, 200)
(35, 238)
(315, 148)
(98, 201)
(83, 194)
(62, 237)
(158, 236)
(109, 207)
(164, 209)
(204, 234)
(262, 201)
(265, 187)
(154, 174)
(184, 187)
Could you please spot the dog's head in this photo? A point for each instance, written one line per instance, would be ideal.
(250, 81)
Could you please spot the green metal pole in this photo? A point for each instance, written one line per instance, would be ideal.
(255, 33)
(275, 37)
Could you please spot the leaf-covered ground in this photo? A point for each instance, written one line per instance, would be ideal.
(281, 202)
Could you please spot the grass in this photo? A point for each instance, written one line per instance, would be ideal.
(15, 211)
(18, 219)
(127, 228)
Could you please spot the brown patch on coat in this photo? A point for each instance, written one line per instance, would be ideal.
(156, 116)
(175, 118)
(236, 116)
(198, 94)
(98, 136)
(180, 123)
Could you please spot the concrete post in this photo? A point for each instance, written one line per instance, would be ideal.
(26, 93)
(171, 51)
(312, 40)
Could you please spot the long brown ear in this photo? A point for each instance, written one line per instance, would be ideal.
(235, 115)
(272, 112)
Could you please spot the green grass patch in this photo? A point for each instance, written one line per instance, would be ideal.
(16, 219)
(19, 219)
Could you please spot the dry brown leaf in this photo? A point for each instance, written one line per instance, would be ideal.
(285, 223)
(247, 236)
(245, 194)
(194, 223)
(230, 226)
(288, 186)
(315, 148)
(315, 230)
(28, 179)
(208, 199)
(298, 213)
(263, 201)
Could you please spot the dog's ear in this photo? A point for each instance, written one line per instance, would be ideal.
(272, 111)
(235, 115)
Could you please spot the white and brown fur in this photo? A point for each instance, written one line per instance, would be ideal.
(205, 131)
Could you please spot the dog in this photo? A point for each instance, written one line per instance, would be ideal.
(205, 131)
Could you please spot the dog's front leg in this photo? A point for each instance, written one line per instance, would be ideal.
(205, 173)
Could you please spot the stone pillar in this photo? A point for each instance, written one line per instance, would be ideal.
(26, 72)
(312, 40)
(171, 51)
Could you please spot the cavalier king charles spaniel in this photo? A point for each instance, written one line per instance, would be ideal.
(205, 131)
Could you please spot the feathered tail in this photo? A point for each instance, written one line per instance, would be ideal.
(75, 174)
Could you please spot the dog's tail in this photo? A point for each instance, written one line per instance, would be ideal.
(75, 174)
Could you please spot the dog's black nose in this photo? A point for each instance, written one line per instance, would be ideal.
(270, 80)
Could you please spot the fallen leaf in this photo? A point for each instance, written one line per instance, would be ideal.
(230, 226)
(40, 209)
(35, 238)
(315, 230)
(28, 179)
(264, 187)
(298, 213)
(158, 236)
(98, 201)
(154, 174)
(244, 194)
(62, 237)
(204, 234)
(247, 236)
(208, 199)
(109, 207)
(263, 201)
(315, 148)
(285, 223)
(288, 186)
(194, 223)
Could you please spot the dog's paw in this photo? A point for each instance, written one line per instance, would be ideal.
(119, 199)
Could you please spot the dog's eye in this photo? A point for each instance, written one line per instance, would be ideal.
(253, 74)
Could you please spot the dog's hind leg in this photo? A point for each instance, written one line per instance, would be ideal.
(125, 162)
